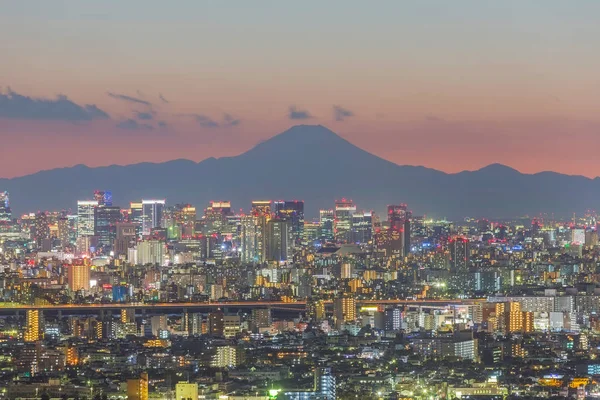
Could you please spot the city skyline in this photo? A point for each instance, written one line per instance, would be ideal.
(451, 87)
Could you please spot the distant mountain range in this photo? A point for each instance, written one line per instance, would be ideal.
(313, 164)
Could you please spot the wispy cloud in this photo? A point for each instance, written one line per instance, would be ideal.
(205, 121)
(17, 106)
(128, 98)
(162, 98)
(340, 113)
(230, 120)
(162, 124)
(133, 125)
(144, 115)
(295, 113)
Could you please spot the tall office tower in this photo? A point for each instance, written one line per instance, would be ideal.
(249, 240)
(407, 233)
(397, 215)
(152, 214)
(344, 310)
(104, 198)
(278, 240)
(311, 231)
(137, 389)
(105, 225)
(342, 223)
(5, 213)
(459, 254)
(64, 232)
(390, 241)
(261, 207)
(215, 216)
(126, 238)
(135, 216)
(399, 219)
(294, 212)
(41, 227)
(85, 217)
(34, 323)
(362, 227)
(185, 217)
(78, 275)
(326, 218)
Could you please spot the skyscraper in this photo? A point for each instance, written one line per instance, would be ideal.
(104, 198)
(152, 213)
(294, 212)
(248, 243)
(135, 216)
(5, 213)
(342, 224)
(85, 217)
(105, 224)
(278, 240)
(399, 220)
(42, 227)
(362, 227)
(216, 215)
(326, 218)
(459, 254)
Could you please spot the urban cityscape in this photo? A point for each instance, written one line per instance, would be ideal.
(154, 300)
(299, 200)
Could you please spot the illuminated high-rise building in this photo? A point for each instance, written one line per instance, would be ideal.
(215, 216)
(135, 216)
(41, 227)
(344, 310)
(85, 217)
(362, 227)
(326, 218)
(34, 321)
(261, 207)
(152, 215)
(249, 239)
(104, 198)
(513, 317)
(311, 231)
(78, 275)
(64, 232)
(278, 240)
(126, 237)
(399, 219)
(293, 211)
(459, 254)
(342, 224)
(390, 241)
(137, 389)
(5, 213)
(105, 225)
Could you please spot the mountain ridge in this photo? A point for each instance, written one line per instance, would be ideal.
(314, 163)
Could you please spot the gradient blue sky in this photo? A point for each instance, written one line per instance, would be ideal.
(451, 85)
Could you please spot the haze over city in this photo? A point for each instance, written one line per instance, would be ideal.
(446, 85)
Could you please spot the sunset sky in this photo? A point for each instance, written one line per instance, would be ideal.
(451, 85)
